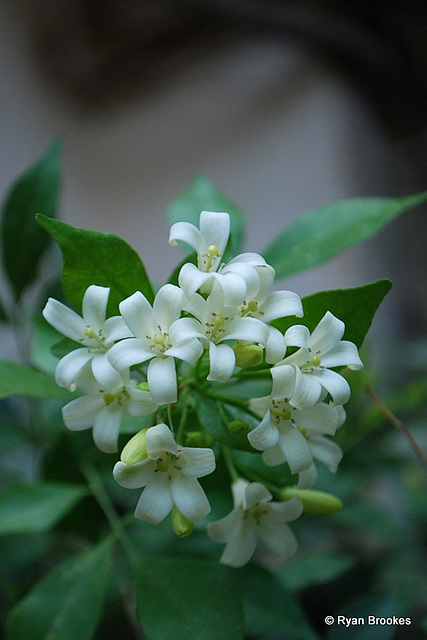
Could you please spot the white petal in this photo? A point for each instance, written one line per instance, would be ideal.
(161, 377)
(64, 320)
(297, 336)
(69, 367)
(327, 334)
(265, 435)
(321, 418)
(107, 376)
(115, 328)
(326, 451)
(215, 229)
(273, 457)
(233, 286)
(278, 538)
(159, 440)
(140, 402)
(249, 329)
(81, 413)
(191, 278)
(189, 351)
(284, 377)
(345, 353)
(189, 497)
(138, 314)
(222, 361)
(285, 511)
(188, 233)
(295, 448)
(156, 500)
(334, 383)
(94, 306)
(256, 492)
(280, 304)
(307, 478)
(185, 329)
(307, 390)
(249, 258)
(275, 346)
(226, 528)
(167, 305)
(247, 273)
(128, 352)
(240, 550)
(106, 427)
(197, 462)
(134, 476)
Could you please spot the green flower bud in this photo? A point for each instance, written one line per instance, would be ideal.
(142, 386)
(316, 502)
(198, 439)
(236, 427)
(136, 449)
(180, 524)
(248, 355)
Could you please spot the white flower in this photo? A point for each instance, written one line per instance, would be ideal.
(151, 328)
(92, 331)
(267, 306)
(285, 432)
(169, 476)
(237, 277)
(103, 406)
(311, 363)
(214, 322)
(255, 516)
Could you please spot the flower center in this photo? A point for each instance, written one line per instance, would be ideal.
(257, 511)
(280, 410)
(159, 341)
(121, 396)
(249, 308)
(99, 339)
(214, 329)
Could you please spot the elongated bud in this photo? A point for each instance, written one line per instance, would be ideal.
(248, 355)
(180, 524)
(136, 449)
(236, 427)
(198, 439)
(316, 502)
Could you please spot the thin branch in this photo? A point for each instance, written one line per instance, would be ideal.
(397, 424)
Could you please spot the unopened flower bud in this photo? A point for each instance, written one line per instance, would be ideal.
(316, 502)
(249, 355)
(136, 449)
(142, 386)
(236, 427)
(198, 439)
(180, 524)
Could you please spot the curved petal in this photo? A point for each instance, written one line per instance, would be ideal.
(327, 334)
(222, 361)
(334, 383)
(248, 274)
(115, 328)
(197, 462)
(185, 329)
(298, 336)
(226, 528)
(345, 353)
(308, 389)
(275, 346)
(233, 286)
(284, 377)
(249, 329)
(161, 377)
(256, 492)
(134, 476)
(189, 351)
(107, 376)
(156, 500)
(191, 278)
(167, 305)
(321, 418)
(94, 306)
(250, 258)
(64, 320)
(265, 435)
(128, 352)
(307, 478)
(240, 549)
(69, 367)
(81, 412)
(296, 450)
(273, 457)
(188, 233)
(278, 538)
(326, 451)
(285, 511)
(159, 440)
(215, 229)
(138, 315)
(106, 427)
(280, 304)
(189, 497)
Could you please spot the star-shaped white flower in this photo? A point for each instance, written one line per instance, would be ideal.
(285, 432)
(312, 362)
(213, 324)
(169, 475)
(238, 277)
(93, 332)
(152, 341)
(255, 516)
(103, 405)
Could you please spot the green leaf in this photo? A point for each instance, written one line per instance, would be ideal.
(314, 568)
(34, 508)
(319, 235)
(203, 195)
(23, 242)
(97, 258)
(271, 609)
(356, 307)
(183, 599)
(17, 380)
(213, 414)
(66, 604)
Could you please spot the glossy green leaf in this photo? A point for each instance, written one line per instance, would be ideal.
(319, 235)
(17, 380)
(313, 568)
(66, 604)
(97, 258)
(34, 508)
(203, 195)
(23, 242)
(270, 609)
(183, 598)
(356, 307)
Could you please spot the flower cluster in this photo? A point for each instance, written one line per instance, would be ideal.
(208, 329)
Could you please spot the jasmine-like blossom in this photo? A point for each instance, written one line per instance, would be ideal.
(169, 474)
(212, 325)
(255, 516)
(103, 405)
(93, 332)
(285, 432)
(152, 341)
(238, 277)
(312, 362)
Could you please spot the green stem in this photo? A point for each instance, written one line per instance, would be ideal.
(183, 418)
(228, 458)
(97, 487)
